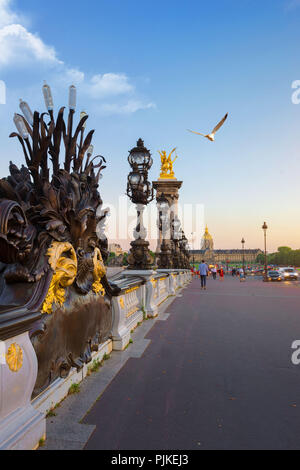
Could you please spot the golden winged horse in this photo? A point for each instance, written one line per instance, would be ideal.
(167, 163)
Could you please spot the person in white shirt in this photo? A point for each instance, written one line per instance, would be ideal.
(203, 271)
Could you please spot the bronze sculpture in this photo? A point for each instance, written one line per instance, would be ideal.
(52, 272)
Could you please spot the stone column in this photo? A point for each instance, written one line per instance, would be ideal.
(170, 189)
(21, 426)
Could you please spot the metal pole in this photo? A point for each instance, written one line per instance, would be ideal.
(265, 227)
(266, 264)
(243, 251)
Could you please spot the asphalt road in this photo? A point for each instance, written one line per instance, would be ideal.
(216, 375)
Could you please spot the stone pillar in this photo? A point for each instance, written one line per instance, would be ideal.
(170, 188)
(21, 426)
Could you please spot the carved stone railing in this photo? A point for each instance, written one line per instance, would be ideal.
(128, 311)
(161, 284)
(137, 294)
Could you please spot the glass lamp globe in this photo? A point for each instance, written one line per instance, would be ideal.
(140, 157)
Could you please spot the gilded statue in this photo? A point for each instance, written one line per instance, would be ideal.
(167, 163)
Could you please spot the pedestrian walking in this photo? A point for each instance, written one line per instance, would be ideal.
(242, 275)
(203, 272)
(221, 274)
(214, 273)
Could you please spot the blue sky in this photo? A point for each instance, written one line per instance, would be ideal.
(153, 69)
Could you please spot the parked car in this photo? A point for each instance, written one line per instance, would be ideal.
(259, 272)
(289, 274)
(274, 275)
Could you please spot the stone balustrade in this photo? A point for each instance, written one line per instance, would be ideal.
(140, 298)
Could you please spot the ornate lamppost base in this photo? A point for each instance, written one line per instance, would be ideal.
(139, 257)
(164, 260)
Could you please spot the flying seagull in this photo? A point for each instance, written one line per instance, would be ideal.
(211, 136)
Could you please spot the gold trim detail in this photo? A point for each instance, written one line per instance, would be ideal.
(65, 271)
(99, 272)
(121, 301)
(163, 278)
(14, 357)
(131, 290)
(134, 310)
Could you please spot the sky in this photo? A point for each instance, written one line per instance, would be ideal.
(154, 69)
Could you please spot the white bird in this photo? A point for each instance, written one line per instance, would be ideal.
(211, 136)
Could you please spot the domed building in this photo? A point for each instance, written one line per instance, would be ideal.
(212, 256)
(207, 247)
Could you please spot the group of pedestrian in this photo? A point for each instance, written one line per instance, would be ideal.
(239, 272)
(204, 271)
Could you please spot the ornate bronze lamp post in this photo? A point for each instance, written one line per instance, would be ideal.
(163, 208)
(243, 249)
(265, 228)
(175, 236)
(140, 191)
(185, 252)
(182, 249)
(193, 247)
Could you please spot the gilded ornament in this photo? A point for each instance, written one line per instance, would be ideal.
(65, 270)
(99, 272)
(14, 357)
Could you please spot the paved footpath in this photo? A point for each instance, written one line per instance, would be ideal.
(217, 374)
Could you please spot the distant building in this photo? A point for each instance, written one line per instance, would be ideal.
(212, 256)
(115, 248)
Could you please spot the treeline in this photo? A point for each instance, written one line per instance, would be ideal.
(284, 256)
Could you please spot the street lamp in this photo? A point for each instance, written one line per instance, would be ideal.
(140, 191)
(175, 236)
(186, 253)
(164, 258)
(243, 248)
(193, 246)
(265, 228)
(181, 248)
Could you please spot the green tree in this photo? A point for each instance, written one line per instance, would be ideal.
(284, 255)
(125, 262)
(260, 258)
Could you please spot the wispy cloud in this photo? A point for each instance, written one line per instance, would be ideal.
(292, 4)
(6, 15)
(109, 84)
(130, 107)
(21, 48)
(17, 45)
